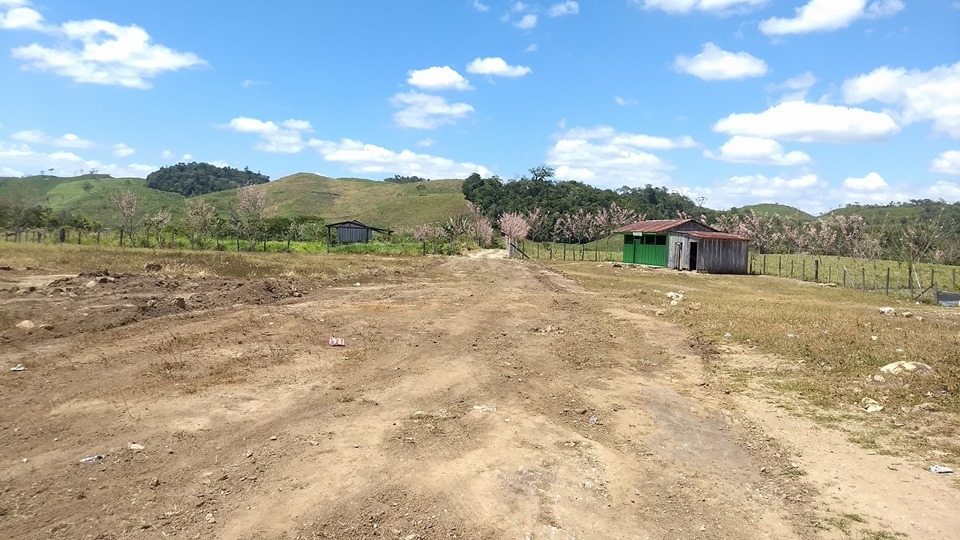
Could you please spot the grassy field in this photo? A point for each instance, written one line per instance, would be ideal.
(376, 203)
(860, 273)
(325, 267)
(832, 340)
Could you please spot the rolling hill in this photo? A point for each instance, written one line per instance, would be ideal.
(773, 209)
(373, 202)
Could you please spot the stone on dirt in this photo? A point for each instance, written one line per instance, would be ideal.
(901, 366)
(26, 325)
(887, 310)
(180, 302)
(135, 447)
(870, 405)
(153, 267)
(91, 284)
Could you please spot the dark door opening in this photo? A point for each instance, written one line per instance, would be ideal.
(679, 256)
(693, 255)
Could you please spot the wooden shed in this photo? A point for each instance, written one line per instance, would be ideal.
(352, 232)
(684, 244)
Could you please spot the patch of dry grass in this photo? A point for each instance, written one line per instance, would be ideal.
(836, 339)
(325, 268)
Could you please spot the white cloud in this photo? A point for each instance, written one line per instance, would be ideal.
(605, 157)
(527, 22)
(166, 155)
(947, 163)
(624, 102)
(760, 151)
(424, 111)
(251, 82)
(795, 88)
(714, 63)
(828, 15)
(21, 157)
(949, 191)
(519, 7)
(884, 8)
(564, 8)
(101, 52)
(35, 136)
(364, 158)
(496, 66)
(21, 18)
(122, 150)
(714, 6)
(870, 182)
(189, 157)
(760, 188)
(426, 143)
(438, 78)
(810, 122)
(920, 95)
(480, 6)
(531, 48)
(610, 135)
(285, 137)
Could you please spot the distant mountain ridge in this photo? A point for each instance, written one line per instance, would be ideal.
(377, 203)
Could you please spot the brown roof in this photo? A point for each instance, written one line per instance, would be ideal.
(711, 235)
(653, 225)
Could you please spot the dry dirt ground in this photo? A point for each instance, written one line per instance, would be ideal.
(482, 399)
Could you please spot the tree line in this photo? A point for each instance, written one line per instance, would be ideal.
(556, 200)
(191, 179)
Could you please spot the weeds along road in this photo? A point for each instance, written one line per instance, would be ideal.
(481, 398)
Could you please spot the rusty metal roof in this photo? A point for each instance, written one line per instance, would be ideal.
(711, 235)
(653, 225)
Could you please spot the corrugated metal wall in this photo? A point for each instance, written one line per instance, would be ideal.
(349, 233)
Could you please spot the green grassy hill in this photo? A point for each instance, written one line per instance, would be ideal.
(372, 202)
(877, 214)
(88, 196)
(773, 209)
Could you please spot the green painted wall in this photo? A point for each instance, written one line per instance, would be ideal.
(636, 252)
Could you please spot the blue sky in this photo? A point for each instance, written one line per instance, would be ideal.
(814, 103)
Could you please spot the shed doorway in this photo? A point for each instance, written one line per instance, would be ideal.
(693, 256)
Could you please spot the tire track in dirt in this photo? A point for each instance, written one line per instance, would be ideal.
(483, 399)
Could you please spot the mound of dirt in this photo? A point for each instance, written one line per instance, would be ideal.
(95, 301)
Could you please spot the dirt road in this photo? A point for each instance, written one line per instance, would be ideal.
(484, 399)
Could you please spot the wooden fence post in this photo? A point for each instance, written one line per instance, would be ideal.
(791, 268)
(764, 265)
(816, 270)
(863, 278)
(844, 276)
(803, 270)
(910, 278)
(829, 274)
(933, 280)
(121, 236)
(780, 265)
(888, 281)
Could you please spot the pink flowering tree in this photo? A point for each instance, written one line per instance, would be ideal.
(514, 227)
(480, 227)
